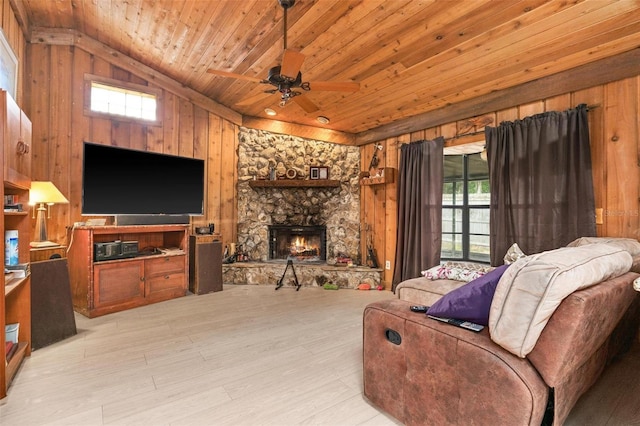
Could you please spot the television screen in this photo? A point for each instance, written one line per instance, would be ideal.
(120, 181)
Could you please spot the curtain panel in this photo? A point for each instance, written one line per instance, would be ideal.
(541, 182)
(420, 180)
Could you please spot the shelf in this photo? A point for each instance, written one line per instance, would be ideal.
(294, 183)
(16, 359)
(13, 284)
(385, 175)
(15, 303)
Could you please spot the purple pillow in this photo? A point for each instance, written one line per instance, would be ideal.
(472, 301)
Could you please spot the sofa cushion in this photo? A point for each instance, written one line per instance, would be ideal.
(423, 291)
(472, 301)
(532, 288)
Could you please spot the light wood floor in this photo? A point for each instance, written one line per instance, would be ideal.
(248, 355)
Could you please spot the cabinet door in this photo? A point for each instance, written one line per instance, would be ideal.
(165, 278)
(17, 155)
(118, 284)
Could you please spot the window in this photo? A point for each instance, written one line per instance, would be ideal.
(121, 99)
(465, 208)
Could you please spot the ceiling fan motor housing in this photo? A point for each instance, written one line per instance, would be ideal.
(281, 81)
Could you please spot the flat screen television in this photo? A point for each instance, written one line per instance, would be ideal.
(120, 181)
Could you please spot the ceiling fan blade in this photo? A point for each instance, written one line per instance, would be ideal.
(234, 75)
(254, 99)
(334, 86)
(291, 63)
(305, 103)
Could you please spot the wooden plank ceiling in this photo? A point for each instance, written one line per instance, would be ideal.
(410, 57)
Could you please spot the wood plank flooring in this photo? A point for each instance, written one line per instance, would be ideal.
(248, 355)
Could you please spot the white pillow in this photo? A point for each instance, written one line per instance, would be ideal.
(531, 289)
(513, 253)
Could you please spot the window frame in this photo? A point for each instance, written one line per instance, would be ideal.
(89, 79)
(465, 208)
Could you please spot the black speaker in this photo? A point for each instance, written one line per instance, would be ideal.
(52, 317)
(205, 264)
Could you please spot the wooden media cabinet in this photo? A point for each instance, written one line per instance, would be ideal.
(105, 286)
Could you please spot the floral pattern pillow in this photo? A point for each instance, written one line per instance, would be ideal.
(458, 271)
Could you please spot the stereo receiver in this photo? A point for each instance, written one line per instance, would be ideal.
(115, 250)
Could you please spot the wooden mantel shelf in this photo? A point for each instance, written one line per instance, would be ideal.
(294, 183)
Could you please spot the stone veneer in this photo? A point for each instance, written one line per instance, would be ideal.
(336, 208)
(309, 275)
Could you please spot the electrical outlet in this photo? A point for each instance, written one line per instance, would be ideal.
(387, 264)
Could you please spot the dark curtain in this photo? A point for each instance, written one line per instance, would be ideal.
(420, 180)
(541, 182)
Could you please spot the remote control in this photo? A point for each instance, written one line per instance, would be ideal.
(460, 323)
(419, 308)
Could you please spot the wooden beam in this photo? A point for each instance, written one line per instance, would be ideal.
(604, 71)
(307, 132)
(96, 48)
(21, 16)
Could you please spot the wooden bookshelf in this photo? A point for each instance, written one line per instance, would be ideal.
(15, 302)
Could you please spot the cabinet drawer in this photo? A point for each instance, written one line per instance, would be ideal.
(164, 265)
(169, 281)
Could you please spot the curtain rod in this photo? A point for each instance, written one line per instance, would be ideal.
(589, 108)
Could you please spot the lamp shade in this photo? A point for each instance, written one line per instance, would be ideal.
(45, 192)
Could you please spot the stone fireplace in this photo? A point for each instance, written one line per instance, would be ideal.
(293, 211)
(337, 209)
(297, 243)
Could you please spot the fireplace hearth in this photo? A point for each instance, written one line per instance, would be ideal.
(298, 243)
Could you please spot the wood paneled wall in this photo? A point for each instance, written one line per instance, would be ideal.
(614, 123)
(55, 103)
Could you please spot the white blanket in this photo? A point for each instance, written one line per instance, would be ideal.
(531, 289)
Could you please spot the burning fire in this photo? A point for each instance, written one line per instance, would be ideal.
(299, 247)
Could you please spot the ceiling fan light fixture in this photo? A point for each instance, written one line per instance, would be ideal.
(270, 112)
(323, 120)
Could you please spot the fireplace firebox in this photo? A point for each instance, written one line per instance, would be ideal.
(298, 243)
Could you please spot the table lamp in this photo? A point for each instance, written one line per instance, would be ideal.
(44, 193)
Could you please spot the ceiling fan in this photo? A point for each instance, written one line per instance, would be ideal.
(286, 78)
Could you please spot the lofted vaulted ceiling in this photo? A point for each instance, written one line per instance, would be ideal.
(410, 57)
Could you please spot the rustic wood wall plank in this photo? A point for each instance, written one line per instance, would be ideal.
(38, 111)
(59, 147)
(228, 181)
(214, 174)
(621, 141)
(185, 140)
(80, 131)
(171, 124)
(390, 225)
